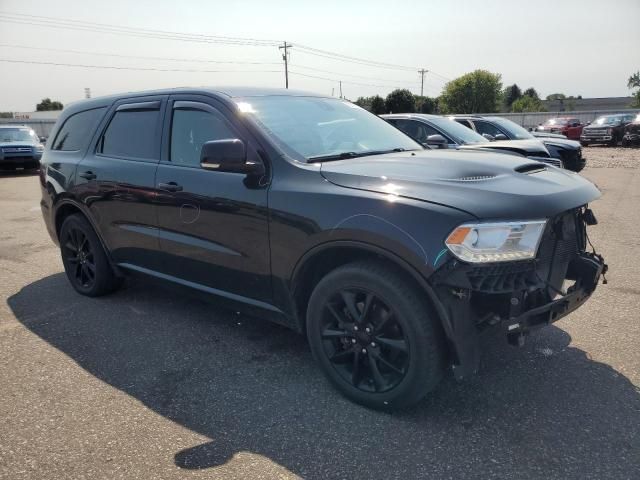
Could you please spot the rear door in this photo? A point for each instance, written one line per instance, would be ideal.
(116, 179)
(213, 226)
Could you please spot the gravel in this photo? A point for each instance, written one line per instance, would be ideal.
(608, 157)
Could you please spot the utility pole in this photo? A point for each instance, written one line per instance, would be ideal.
(340, 88)
(422, 72)
(285, 57)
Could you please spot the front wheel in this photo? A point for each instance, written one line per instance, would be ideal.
(84, 259)
(374, 336)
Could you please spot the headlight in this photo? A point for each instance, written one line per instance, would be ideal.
(496, 242)
(40, 147)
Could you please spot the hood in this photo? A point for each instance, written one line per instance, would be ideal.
(563, 143)
(546, 133)
(486, 185)
(595, 126)
(530, 147)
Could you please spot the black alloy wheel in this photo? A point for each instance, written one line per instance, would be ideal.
(84, 259)
(363, 340)
(375, 336)
(77, 252)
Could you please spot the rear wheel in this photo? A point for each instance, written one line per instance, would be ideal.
(374, 336)
(84, 259)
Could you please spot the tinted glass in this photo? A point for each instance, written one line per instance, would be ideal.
(514, 130)
(486, 127)
(460, 134)
(419, 131)
(132, 134)
(77, 130)
(311, 127)
(190, 129)
(466, 123)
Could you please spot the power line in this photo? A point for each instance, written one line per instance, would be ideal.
(336, 80)
(52, 22)
(135, 32)
(367, 77)
(113, 67)
(103, 54)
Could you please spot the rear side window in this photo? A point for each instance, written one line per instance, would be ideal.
(77, 130)
(131, 134)
(417, 130)
(466, 123)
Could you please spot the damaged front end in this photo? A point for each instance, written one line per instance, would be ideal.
(519, 295)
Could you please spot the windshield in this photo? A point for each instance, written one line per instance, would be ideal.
(609, 120)
(461, 134)
(515, 130)
(314, 128)
(17, 135)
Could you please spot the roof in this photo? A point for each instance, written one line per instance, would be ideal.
(228, 92)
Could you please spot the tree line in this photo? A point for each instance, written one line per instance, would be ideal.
(479, 91)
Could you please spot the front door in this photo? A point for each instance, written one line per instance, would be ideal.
(212, 226)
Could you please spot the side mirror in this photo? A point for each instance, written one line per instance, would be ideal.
(437, 141)
(501, 136)
(43, 140)
(228, 155)
(488, 137)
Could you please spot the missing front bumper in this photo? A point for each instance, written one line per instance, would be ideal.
(586, 269)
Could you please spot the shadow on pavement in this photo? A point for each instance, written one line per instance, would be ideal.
(543, 411)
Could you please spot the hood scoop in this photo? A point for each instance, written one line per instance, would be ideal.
(530, 168)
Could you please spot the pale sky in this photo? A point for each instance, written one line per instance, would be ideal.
(582, 47)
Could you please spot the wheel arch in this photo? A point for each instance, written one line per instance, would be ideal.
(324, 258)
(67, 207)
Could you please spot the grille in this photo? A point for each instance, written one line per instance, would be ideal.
(16, 149)
(559, 245)
(595, 132)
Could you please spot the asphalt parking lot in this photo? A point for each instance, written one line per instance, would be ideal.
(147, 383)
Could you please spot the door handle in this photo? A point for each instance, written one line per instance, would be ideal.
(88, 175)
(170, 187)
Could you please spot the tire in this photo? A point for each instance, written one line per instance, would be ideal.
(584, 144)
(84, 259)
(406, 347)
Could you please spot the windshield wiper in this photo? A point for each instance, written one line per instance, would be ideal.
(345, 155)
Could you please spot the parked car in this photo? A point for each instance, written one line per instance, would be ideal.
(632, 133)
(19, 147)
(317, 214)
(569, 151)
(607, 129)
(567, 126)
(445, 132)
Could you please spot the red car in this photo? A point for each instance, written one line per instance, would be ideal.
(567, 126)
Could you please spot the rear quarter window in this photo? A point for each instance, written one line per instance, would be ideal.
(77, 130)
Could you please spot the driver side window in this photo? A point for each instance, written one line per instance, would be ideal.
(488, 128)
(190, 129)
(417, 130)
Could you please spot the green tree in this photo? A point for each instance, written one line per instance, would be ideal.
(475, 92)
(634, 82)
(374, 104)
(556, 96)
(528, 104)
(426, 104)
(6, 115)
(511, 94)
(46, 104)
(531, 92)
(400, 101)
(378, 105)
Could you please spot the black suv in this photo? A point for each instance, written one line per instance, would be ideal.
(498, 128)
(312, 212)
